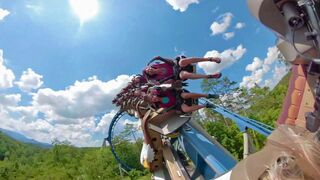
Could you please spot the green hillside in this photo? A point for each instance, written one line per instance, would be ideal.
(264, 105)
(267, 108)
(23, 161)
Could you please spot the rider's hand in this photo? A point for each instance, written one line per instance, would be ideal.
(157, 58)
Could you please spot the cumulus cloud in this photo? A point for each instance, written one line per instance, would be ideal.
(6, 75)
(256, 64)
(105, 121)
(228, 35)
(277, 74)
(272, 55)
(229, 57)
(23, 119)
(29, 81)
(10, 99)
(44, 131)
(80, 134)
(3, 13)
(221, 24)
(253, 80)
(69, 114)
(181, 5)
(81, 100)
(260, 68)
(23, 113)
(240, 25)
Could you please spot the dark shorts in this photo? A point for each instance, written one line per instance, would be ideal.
(190, 68)
(181, 101)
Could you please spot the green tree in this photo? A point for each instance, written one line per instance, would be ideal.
(259, 103)
(64, 161)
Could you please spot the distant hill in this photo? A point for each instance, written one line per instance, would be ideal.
(21, 138)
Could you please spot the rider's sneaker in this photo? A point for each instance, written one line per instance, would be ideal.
(215, 59)
(216, 76)
(210, 105)
(214, 96)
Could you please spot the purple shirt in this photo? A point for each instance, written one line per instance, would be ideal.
(168, 98)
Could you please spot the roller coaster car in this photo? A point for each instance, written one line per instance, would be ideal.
(167, 122)
(155, 123)
(176, 69)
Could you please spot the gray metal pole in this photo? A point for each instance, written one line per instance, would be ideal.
(246, 144)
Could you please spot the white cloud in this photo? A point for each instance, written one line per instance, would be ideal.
(228, 35)
(253, 80)
(29, 80)
(3, 13)
(68, 114)
(272, 55)
(23, 113)
(260, 68)
(181, 5)
(105, 121)
(81, 100)
(10, 99)
(278, 72)
(80, 134)
(256, 64)
(34, 130)
(222, 23)
(240, 25)
(43, 131)
(229, 57)
(6, 75)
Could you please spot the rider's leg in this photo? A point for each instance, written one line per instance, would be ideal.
(186, 95)
(187, 61)
(187, 75)
(186, 109)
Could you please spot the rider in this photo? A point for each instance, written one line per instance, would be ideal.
(181, 66)
(138, 80)
(180, 100)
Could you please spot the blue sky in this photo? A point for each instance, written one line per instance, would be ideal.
(58, 73)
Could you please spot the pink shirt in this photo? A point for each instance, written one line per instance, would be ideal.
(166, 69)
